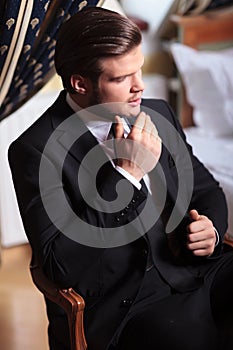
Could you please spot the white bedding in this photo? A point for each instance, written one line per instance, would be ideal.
(216, 153)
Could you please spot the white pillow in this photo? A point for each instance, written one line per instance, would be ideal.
(208, 80)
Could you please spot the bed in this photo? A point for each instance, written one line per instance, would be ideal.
(204, 59)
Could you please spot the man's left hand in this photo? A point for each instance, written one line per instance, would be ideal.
(201, 238)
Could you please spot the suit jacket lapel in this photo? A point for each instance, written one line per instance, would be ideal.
(73, 134)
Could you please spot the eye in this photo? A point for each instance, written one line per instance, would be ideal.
(118, 79)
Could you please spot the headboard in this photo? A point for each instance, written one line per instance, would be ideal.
(212, 27)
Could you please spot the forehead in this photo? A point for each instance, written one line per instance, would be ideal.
(124, 64)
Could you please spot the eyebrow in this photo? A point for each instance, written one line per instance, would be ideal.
(127, 75)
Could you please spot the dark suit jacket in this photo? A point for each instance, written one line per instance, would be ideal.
(108, 278)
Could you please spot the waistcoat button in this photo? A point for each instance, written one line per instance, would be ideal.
(126, 302)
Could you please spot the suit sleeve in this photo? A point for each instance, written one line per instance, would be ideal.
(63, 258)
(207, 195)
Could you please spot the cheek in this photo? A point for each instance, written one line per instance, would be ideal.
(119, 93)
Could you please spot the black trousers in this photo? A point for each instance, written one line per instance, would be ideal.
(163, 319)
(201, 319)
(178, 321)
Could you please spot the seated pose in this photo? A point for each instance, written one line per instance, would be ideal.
(115, 204)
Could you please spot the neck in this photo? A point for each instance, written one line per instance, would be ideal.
(80, 100)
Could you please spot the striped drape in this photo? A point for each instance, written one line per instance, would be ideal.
(28, 31)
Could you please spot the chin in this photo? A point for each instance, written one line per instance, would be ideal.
(122, 109)
(134, 111)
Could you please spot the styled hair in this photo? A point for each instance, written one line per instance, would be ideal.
(87, 37)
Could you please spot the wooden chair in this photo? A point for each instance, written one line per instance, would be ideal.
(69, 300)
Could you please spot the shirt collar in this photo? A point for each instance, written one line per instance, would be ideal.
(98, 126)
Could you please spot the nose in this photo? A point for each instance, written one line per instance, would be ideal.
(137, 83)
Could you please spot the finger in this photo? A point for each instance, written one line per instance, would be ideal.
(148, 125)
(205, 245)
(193, 214)
(119, 128)
(202, 252)
(140, 122)
(197, 237)
(155, 131)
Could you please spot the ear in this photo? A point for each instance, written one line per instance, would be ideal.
(79, 84)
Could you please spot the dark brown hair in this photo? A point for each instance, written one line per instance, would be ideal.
(87, 37)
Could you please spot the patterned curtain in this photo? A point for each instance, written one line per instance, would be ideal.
(219, 3)
(28, 32)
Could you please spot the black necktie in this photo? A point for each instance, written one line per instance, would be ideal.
(112, 131)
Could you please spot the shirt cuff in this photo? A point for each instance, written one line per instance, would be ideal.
(217, 237)
(129, 177)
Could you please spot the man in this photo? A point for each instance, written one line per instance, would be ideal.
(125, 215)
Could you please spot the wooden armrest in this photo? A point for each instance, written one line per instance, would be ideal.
(69, 300)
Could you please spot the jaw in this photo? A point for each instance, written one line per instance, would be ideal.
(123, 109)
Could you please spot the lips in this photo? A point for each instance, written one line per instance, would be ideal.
(135, 102)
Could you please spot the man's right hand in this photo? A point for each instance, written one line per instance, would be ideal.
(139, 152)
